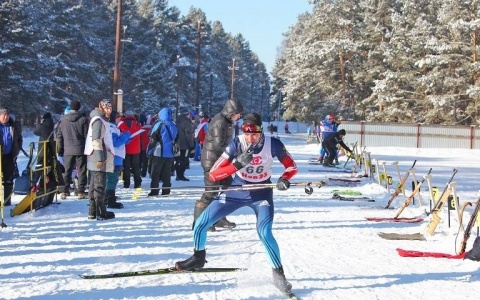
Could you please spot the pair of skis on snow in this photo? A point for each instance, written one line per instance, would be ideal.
(165, 271)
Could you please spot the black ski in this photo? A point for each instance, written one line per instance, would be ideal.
(342, 198)
(160, 272)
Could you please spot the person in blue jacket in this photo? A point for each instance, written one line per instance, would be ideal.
(163, 135)
(327, 127)
(119, 140)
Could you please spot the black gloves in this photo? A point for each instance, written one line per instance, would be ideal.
(283, 184)
(243, 159)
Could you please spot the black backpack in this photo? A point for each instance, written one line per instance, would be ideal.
(474, 254)
(22, 184)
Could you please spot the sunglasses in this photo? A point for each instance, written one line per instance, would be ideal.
(251, 128)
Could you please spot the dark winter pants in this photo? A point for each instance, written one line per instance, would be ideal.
(208, 197)
(161, 170)
(70, 162)
(8, 169)
(330, 152)
(143, 163)
(131, 165)
(181, 163)
(96, 190)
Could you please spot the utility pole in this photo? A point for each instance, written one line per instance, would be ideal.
(233, 68)
(261, 99)
(211, 94)
(251, 88)
(197, 87)
(116, 69)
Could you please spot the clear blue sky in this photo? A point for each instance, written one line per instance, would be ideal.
(261, 22)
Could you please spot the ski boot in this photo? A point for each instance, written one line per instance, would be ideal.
(92, 210)
(280, 281)
(102, 213)
(112, 200)
(196, 261)
(328, 163)
(224, 223)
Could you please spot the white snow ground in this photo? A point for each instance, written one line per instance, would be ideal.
(329, 250)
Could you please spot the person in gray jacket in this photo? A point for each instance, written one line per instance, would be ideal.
(100, 159)
(185, 143)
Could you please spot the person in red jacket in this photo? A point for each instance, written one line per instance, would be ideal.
(201, 131)
(131, 163)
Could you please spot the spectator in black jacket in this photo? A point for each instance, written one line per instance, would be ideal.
(185, 143)
(220, 133)
(71, 135)
(46, 147)
(11, 141)
(330, 145)
(46, 150)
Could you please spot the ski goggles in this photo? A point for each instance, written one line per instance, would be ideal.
(251, 128)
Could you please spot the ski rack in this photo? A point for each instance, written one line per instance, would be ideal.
(401, 184)
(395, 163)
(416, 191)
(415, 183)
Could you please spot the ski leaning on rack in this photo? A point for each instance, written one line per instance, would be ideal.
(400, 185)
(160, 272)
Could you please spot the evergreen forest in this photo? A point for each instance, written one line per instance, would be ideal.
(407, 61)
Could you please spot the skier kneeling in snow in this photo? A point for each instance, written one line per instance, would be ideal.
(250, 157)
(330, 145)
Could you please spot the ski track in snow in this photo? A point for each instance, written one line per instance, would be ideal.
(329, 250)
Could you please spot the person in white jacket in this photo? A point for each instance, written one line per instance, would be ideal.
(100, 155)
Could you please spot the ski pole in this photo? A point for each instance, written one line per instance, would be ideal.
(24, 153)
(247, 187)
